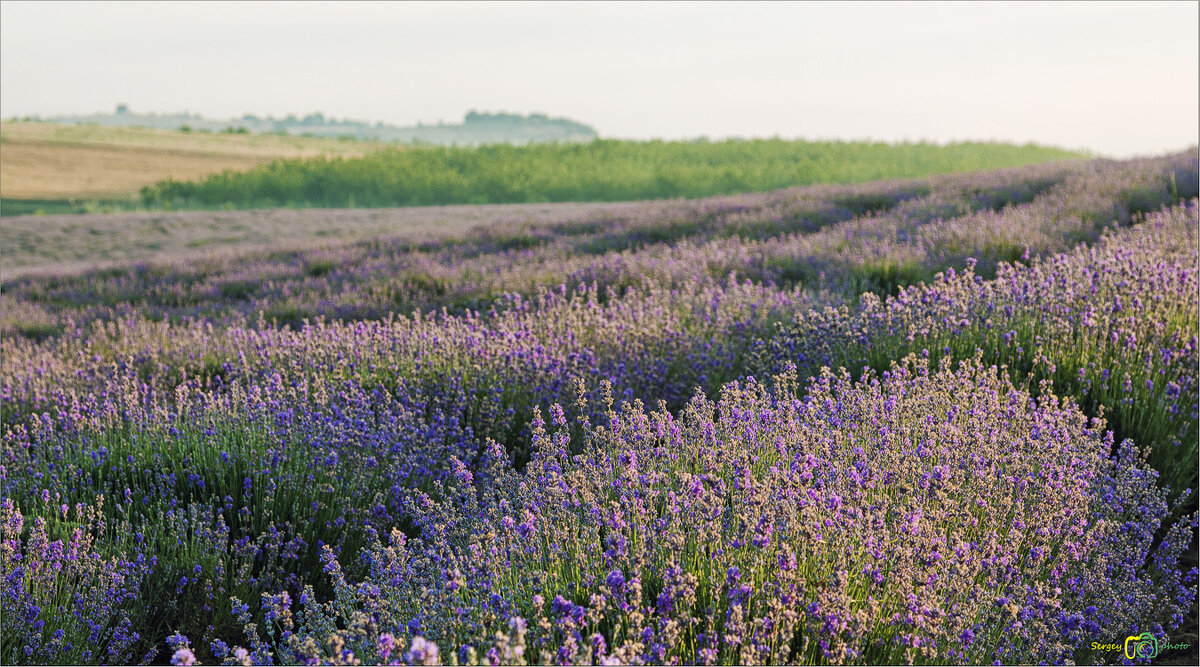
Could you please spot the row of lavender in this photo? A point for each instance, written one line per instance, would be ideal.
(259, 462)
(873, 236)
(882, 251)
(677, 329)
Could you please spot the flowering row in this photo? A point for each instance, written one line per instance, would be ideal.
(840, 237)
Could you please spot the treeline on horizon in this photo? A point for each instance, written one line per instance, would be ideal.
(602, 170)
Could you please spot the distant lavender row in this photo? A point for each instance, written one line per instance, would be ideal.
(904, 232)
(398, 274)
(85, 360)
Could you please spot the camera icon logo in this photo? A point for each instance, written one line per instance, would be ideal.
(1141, 646)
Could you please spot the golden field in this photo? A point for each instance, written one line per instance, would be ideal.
(53, 161)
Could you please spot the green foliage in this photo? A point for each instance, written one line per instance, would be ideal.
(603, 170)
(886, 278)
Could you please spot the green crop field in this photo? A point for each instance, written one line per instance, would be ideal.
(603, 170)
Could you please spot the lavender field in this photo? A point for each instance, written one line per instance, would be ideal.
(949, 420)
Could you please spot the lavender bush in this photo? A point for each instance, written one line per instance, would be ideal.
(925, 514)
(43, 578)
(1114, 325)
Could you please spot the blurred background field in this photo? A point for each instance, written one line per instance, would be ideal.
(601, 170)
(55, 168)
(80, 194)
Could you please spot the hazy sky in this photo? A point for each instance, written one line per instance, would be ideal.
(1116, 78)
